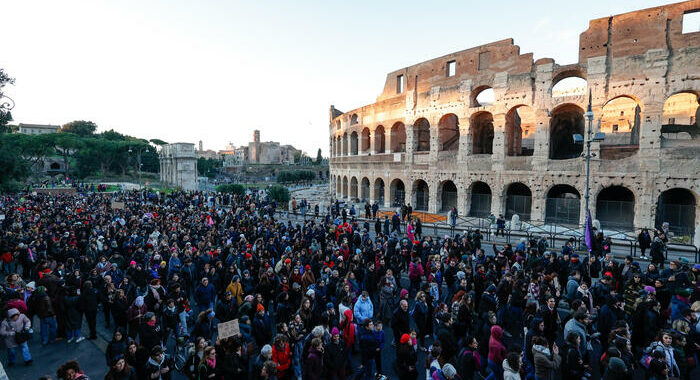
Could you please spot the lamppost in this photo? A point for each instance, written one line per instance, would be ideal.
(139, 151)
(590, 138)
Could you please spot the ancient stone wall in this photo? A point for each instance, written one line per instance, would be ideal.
(429, 124)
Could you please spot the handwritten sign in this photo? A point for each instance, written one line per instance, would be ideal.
(228, 329)
(117, 205)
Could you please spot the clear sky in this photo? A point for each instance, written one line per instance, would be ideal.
(216, 70)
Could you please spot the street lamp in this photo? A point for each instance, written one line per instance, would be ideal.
(590, 138)
(138, 159)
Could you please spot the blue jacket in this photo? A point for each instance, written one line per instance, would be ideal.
(205, 295)
(363, 310)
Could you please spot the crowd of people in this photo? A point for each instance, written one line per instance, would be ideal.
(323, 298)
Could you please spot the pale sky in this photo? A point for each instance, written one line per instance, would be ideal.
(185, 71)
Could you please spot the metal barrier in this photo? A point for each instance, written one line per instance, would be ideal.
(553, 232)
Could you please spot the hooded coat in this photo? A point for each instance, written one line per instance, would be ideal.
(497, 351)
(8, 328)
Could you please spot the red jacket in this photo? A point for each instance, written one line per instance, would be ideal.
(283, 358)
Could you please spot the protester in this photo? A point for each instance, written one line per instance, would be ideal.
(304, 294)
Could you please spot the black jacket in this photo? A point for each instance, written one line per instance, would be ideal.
(88, 300)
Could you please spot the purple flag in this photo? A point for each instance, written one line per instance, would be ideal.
(589, 231)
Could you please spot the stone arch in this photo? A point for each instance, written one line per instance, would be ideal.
(678, 207)
(398, 192)
(338, 187)
(379, 191)
(480, 199)
(566, 120)
(447, 193)
(353, 188)
(353, 119)
(345, 187)
(569, 82)
(563, 205)
(421, 195)
(621, 122)
(364, 189)
(339, 146)
(520, 131)
(379, 139)
(364, 141)
(518, 200)
(680, 116)
(353, 144)
(483, 96)
(615, 207)
(346, 143)
(448, 132)
(482, 133)
(421, 135)
(398, 137)
(55, 166)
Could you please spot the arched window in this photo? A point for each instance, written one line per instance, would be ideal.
(568, 84)
(484, 96)
(563, 205)
(379, 140)
(615, 207)
(398, 193)
(482, 133)
(480, 201)
(620, 121)
(364, 142)
(379, 191)
(421, 135)
(518, 201)
(353, 144)
(448, 132)
(677, 207)
(566, 121)
(679, 120)
(364, 189)
(520, 131)
(398, 137)
(421, 195)
(448, 196)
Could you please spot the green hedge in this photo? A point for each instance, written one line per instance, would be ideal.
(296, 175)
(279, 193)
(233, 188)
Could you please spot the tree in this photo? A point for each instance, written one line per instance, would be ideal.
(279, 193)
(159, 142)
(81, 128)
(66, 145)
(113, 135)
(6, 103)
(233, 188)
(12, 168)
(207, 166)
(319, 157)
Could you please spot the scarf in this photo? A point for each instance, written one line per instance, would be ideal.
(211, 362)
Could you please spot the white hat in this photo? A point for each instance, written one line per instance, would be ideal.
(31, 285)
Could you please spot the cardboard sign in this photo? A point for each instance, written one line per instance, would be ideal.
(228, 329)
(117, 205)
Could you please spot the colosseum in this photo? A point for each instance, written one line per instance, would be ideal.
(489, 130)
